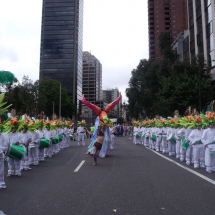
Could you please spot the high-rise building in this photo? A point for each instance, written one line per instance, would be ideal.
(165, 16)
(111, 95)
(201, 15)
(92, 78)
(61, 44)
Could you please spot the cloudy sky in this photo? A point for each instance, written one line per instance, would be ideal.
(115, 31)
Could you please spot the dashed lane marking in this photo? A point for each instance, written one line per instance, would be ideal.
(184, 167)
(79, 166)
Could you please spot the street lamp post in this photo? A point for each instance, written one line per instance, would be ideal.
(60, 103)
(53, 110)
(200, 108)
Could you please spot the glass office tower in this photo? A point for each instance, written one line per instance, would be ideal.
(61, 44)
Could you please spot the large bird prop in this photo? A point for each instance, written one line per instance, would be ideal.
(102, 114)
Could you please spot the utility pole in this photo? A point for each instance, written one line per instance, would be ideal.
(200, 108)
(60, 103)
(53, 110)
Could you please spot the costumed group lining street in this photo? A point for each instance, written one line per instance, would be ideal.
(25, 142)
(190, 138)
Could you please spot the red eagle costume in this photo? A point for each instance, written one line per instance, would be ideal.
(98, 110)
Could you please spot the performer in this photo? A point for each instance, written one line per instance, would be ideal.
(48, 134)
(104, 121)
(198, 148)
(99, 141)
(112, 131)
(208, 139)
(25, 138)
(13, 137)
(40, 136)
(164, 136)
(3, 148)
(80, 132)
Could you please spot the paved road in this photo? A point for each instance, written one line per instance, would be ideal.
(132, 179)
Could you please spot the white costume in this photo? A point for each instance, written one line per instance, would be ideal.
(189, 150)
(40, 150)
(25, 138)
(158, 146)
(208, 139)
(13, 164)
(80, 132)
(48, 151)
(164, 141)
(3, 148)
(198, 149)
(171, 145)
(33, 159)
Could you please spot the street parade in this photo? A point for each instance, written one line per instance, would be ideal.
(189, 138)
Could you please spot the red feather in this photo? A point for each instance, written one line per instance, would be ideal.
(93, 107)
(113, 104)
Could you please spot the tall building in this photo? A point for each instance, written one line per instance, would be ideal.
(165, 16)
(201, 38)
(92, 78)
(61, 44)
(109, 96)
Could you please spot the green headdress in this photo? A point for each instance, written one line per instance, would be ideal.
(83, 123)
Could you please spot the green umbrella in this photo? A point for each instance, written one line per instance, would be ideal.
(6, 77)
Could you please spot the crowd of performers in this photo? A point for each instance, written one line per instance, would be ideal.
(26, 143)
(190, 138)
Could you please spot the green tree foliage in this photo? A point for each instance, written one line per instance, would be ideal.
(34, 97)
(160, 87)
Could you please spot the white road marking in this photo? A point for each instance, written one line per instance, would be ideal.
(184, 167)
(79, 166)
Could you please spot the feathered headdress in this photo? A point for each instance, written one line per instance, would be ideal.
(135, 123)
(83, 123)
(102, 114)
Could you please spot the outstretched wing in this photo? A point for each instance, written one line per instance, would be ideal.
(113, 104)
(93, 107)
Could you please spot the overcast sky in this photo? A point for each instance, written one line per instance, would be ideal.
(115, 31)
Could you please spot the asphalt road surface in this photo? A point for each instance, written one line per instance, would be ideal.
(132, 180)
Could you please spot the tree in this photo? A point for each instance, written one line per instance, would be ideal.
(160, 87)
(49, 91)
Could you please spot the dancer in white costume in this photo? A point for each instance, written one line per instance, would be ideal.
(80, 132)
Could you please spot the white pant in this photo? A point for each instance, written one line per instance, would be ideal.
(33, 158)
(199, 155)
(81, 138)
(25, 160)
(189, 154)
(146, 141)
(67, 141)
(134, 139)
(177, 148)
(2, 184)
(41, 154)
(182, 154)
(112, 140)
(158, 144)
(209, 161)
(171, 148)
(164, 145)
(13, 167)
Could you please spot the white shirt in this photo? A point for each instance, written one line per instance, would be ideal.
(80, 130)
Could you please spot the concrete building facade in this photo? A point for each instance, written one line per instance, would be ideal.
(109, 96)
(165, 16)
(92, 78)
